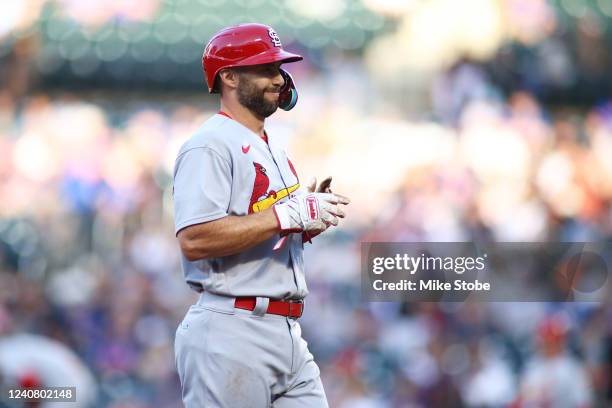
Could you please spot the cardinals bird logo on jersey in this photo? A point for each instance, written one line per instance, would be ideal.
(260, 186)
(261, 198)
(293, 170)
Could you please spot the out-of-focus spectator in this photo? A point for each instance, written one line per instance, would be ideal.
(35, 362)
(553, 377)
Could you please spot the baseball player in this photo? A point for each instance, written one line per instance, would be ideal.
(241, 219)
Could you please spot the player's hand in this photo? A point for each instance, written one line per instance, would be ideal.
(312, 212)
(324, 187)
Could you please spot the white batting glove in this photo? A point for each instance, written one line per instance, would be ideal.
(312, 212)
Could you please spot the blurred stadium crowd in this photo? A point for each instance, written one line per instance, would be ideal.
(88, 258)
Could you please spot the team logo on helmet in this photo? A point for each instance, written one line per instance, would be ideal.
(275, 38)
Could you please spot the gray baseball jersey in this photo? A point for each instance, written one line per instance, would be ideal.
(226, 169)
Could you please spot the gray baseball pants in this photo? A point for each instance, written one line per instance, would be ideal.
(233, 358)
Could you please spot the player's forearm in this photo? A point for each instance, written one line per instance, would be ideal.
(228, 235)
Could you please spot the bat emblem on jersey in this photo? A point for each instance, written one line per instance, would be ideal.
(245, 148)
(261, 198)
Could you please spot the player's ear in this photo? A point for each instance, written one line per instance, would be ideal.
(228, 78)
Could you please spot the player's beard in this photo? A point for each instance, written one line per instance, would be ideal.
(254, 99)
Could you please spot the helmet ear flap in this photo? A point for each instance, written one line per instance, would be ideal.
(288, 95)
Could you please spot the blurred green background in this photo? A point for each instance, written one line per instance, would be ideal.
(442, 120)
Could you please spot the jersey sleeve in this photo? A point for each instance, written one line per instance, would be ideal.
(202, 187)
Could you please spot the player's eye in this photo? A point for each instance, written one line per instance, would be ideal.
(271, 70)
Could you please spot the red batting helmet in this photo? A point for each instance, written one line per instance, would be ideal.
(243, 45)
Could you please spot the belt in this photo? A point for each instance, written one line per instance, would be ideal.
(288, 308)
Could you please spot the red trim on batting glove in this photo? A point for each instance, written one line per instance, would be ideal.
(308, 236)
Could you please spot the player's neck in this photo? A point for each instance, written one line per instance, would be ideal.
(244, 116)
